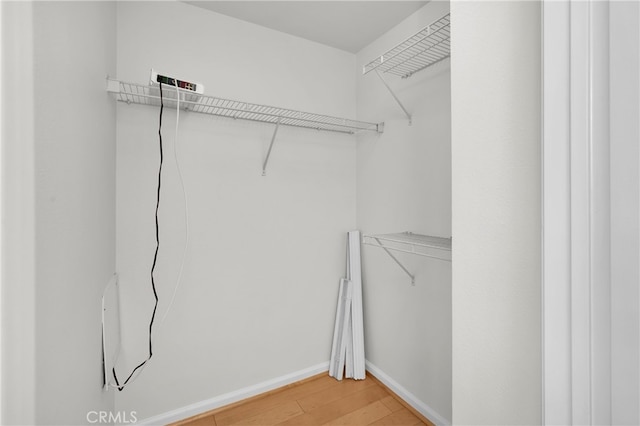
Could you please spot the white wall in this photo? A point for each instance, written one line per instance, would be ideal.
(557, 213)
(625, 212)
(67, 201)
(495, 84)
(404, 184)
(265, 255)
(74, 50)
(18, 216)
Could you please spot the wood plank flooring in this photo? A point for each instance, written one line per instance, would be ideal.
(319, 400)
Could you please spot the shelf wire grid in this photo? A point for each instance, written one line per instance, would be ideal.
(425, 48)
(408, 242)
(150, 95)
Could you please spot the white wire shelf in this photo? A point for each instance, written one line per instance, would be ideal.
(150, 95)
(408, 242)
(425, 48)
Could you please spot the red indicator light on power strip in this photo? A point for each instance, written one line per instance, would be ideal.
(170, 81)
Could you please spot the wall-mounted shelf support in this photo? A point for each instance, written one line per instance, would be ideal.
(423, 49)
(406, 271)
(394, 96)
(266, 159)
(408, 242)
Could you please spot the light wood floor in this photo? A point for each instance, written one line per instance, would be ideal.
(319, 400)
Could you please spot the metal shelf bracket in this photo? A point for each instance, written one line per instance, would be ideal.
(406, 271)
(394, 96)
(266, 159)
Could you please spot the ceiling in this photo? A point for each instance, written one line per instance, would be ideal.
(346, 25)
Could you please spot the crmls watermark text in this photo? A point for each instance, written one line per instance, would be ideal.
(108, 417)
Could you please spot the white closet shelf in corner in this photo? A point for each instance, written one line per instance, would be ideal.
(423, 49)
(408, 242)
(427, 47)
(150, 95)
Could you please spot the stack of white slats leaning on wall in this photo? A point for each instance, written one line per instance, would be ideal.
(347, 350)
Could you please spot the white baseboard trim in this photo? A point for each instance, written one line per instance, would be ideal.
(235, 396)
(407, 396)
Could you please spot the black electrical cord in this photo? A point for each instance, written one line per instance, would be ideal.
(155, 258)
